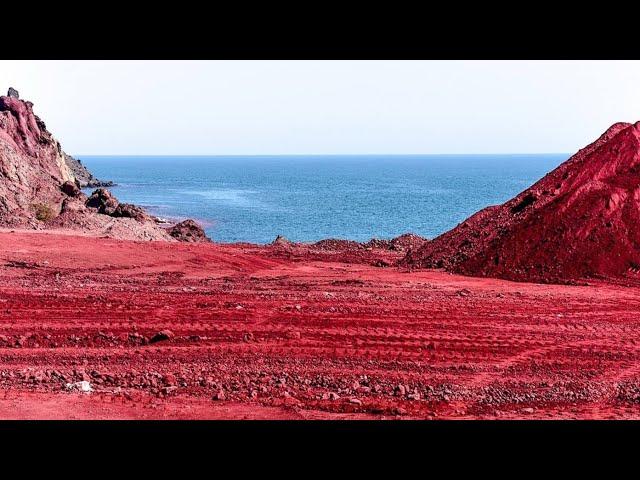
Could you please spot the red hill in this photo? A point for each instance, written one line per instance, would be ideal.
(581, 220)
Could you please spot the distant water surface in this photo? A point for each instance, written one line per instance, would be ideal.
(308, 198)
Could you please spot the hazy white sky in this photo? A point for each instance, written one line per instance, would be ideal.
(326, 107)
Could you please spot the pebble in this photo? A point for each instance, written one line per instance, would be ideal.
(400, 391)
(83, 386)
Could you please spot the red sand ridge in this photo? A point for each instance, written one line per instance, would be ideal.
(582, 220)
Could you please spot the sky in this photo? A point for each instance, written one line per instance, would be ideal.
(326, 107)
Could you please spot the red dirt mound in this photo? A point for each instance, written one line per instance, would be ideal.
(581, 220)
(100, 328)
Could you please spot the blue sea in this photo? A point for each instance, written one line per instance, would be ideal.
(308, 198)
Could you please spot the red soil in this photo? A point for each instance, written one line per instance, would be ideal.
(255, 332)
(582, 220)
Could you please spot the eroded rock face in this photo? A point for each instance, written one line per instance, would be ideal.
(581, 220)
(40, 184)
(71, 189)
(32, 167)
(82, 175)
(188, 231)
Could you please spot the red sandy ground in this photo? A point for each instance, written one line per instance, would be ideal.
(258, 333)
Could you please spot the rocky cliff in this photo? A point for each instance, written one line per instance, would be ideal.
(84, 177)
(40, 184)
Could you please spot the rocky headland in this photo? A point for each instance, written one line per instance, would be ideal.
(40, 186)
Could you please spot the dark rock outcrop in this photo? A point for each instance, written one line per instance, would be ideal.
(129, 210)
(188, 231)
(281, 240)
(103, 201)
(71, 188)
(84, 177)
(13, 93)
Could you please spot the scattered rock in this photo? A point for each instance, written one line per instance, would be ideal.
(280, 240)
(129, 210)
(247, 337)
(83, 386)
(381, 263)
(293, 334)
(169, 390)
(161, 336)
(138, 339)
(188, 231)
(220, 395)
(169, 380)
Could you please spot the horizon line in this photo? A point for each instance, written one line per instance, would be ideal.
(310, 154)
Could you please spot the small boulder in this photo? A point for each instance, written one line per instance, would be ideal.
(83, 386)
(71, 188)
(102, 200)
(72, 204)
(281, 240)
(161, 336)
(13, 93)
(130, 211)
(188, 231)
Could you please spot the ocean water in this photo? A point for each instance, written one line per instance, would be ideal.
(308, 198)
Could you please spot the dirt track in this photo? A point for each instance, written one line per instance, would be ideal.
(256, 334)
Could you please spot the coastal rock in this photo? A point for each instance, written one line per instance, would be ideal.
(336, 244)
(281, 240)
(103, 201)
(407, 241)
(188, 231)
(579, 221)
(84, 177)
(40, 184)
(131, 211)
